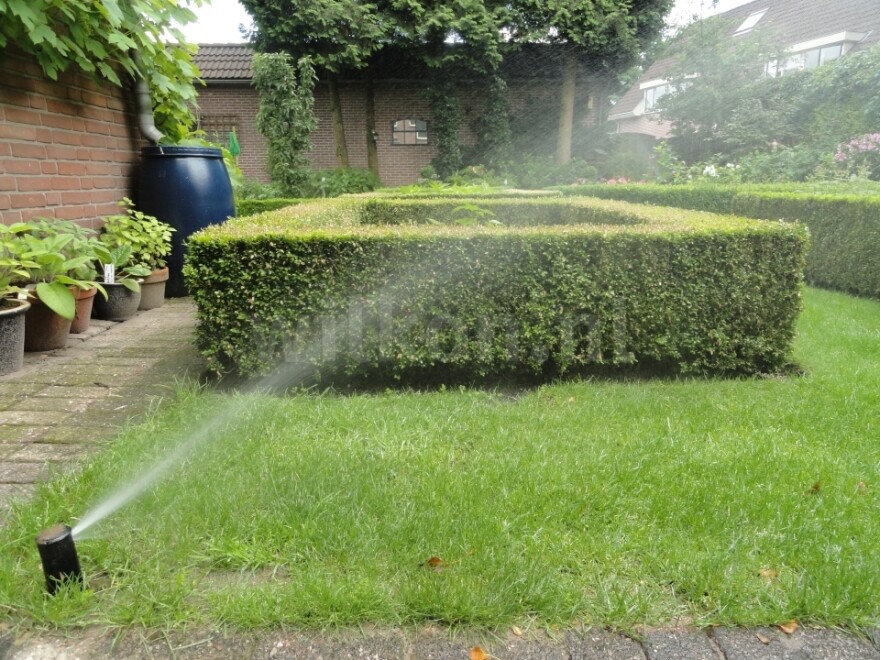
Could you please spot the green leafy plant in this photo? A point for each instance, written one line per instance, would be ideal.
(13, 269)
(58, 255)
(149, 238)
(126, 271)
(286, 116)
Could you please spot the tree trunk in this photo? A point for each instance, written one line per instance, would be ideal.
(372, 136)
(336, 120)
(566, 110)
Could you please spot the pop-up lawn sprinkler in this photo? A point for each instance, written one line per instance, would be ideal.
(58, 553)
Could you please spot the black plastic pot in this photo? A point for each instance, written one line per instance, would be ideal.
(120, 305)
(12, 334)
(189, 188)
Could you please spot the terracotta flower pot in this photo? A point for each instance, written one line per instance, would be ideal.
(84, 300)
(44, 330)
(153, 289)
(12, 334)
(121, 303)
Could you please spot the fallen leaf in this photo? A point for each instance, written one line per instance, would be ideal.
(763, 638)
(436, 563)
(516, 631)
(768, 574)
(570, 399)
(815, 488)
(789, 627)
(861, 487)
(479, 654)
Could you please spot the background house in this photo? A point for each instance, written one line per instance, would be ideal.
(403, 116)
(812, 32)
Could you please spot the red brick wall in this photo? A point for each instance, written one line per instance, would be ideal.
(67, 147)
(226, 106)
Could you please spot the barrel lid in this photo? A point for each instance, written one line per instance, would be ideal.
(178, 152)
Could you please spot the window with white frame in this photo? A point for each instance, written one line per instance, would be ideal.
(750, 22)
(409, 132)
(653, 95)
(806, 59)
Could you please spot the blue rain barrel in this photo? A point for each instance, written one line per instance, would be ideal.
(189, 188)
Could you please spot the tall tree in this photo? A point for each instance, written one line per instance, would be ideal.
(606, 35)
(337, 35)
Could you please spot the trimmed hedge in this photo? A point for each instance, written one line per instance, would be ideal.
(246, 207)
(845, 229)
(314, 287)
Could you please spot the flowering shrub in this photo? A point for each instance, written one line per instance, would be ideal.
(860, 156)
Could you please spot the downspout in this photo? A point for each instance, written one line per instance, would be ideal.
(144, 105)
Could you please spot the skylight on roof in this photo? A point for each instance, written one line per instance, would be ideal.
(751, 21)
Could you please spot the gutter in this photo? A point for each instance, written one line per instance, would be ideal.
(144, 105)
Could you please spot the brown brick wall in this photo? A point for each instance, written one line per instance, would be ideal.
(223, 107)
(67, 147)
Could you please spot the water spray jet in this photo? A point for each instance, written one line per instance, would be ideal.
(58, 554)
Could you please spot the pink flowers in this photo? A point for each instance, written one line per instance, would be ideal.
(867, 143)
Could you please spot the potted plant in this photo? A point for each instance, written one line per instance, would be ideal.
(59, 258)
(150, 241)
(13, 300)
(122, 283)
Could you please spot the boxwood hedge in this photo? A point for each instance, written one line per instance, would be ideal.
(845, 228)
(369, 288)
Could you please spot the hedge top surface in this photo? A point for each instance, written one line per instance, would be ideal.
(415, 218)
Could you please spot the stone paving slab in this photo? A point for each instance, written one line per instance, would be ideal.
(428, 644)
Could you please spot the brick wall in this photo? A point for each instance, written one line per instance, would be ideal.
(67, 147)
(224, 106)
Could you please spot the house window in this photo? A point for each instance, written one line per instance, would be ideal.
(409, 131)
(806, 59)
(750, 22)
(218, 127)
(653, 95)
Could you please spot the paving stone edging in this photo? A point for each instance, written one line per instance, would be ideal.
(432, 643)
(65, 404)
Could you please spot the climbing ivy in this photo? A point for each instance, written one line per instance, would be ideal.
(110, 40)
(286, 116)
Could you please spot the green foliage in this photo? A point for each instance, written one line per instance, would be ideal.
(245, 189)
(245, 207)
(844, 227)
(446, 113)
(109, 40)
(286, 116)
(340, 181)
(727, 110)
(322, 288)
(494, 140)
(126, 271)
(56, 255)
(844, 234)
(540, 172)
(148, 238)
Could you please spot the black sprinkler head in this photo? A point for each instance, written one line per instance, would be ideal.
(58, 553)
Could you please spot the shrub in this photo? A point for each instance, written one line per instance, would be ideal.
(845, 228)
(246, 207)
(613, 284)
(340, 181)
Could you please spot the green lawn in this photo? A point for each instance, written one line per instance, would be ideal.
(729, 501)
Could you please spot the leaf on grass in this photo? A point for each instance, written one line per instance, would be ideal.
(434, 562)
(861, 487)
(768, 574)
(815, 488)
(763, 638)
(479, 654)
(516, 630)
(789, 627)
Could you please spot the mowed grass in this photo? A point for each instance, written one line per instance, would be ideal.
(620, 503)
